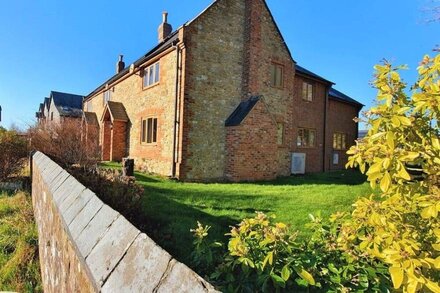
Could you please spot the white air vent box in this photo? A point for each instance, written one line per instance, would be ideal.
(298, 163)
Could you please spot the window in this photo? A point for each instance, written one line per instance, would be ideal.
(280, 133)
(306, 137)
(339, 141)
(307, 91)
(277, 75)
(149, 130)
(51, 116)
(107, 96)
(151, 75)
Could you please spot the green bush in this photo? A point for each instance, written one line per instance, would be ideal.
(265, 256)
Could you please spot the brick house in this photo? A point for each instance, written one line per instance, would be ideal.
(221, 98)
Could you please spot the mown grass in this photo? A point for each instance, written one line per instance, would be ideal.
(19, 265)
(172, 208)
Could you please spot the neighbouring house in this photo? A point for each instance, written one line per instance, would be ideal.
(59, 107)
(0, 113)
(221, 98)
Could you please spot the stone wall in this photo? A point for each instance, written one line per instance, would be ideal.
(213, 84)
(85, 246)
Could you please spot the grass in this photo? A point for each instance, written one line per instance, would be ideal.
(172, 208)
(19, 265)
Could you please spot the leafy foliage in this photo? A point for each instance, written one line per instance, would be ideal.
(13, 152)
(391, 239)
(266, 256)
(401, 156)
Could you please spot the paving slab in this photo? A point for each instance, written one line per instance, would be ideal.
(110, 249)
(85, 216)
(95, 230)
(141, 269)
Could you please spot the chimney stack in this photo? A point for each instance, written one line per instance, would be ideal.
(120, 65)
(165, 28)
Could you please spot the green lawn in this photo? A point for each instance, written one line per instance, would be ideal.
(172, 208)
(19, 265)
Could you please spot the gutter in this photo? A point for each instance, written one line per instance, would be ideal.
(176, 120)
(324, 159)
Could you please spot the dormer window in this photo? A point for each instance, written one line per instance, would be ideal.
(307, 91)
(151, 75)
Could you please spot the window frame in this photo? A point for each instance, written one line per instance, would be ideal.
(309, 96)
(152, 68)
(149, 136)
(106, 96)
(273, 75)
(302, 145)
(339, 141)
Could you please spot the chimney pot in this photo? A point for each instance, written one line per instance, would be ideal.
(164, 17)
(120, 65)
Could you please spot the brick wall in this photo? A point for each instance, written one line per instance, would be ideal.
(252, 147)
(85, 246)
(268, 47)
(119, 139)
(310, 115)
(340, 119)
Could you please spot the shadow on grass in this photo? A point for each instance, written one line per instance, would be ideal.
(145, 178)
(168, 223)
(345, 177)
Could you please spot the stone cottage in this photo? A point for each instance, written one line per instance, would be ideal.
(222, 98)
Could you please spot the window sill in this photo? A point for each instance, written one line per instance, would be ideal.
(148, 144)
(306, 147)
(150, 86)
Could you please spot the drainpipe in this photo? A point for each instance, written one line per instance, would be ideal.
(176, 122)
(324, 159)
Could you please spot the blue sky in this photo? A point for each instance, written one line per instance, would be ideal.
(72, 46)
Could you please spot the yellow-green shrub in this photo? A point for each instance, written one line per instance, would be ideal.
(401, 227)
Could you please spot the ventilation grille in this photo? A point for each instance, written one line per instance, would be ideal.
(298, 163)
